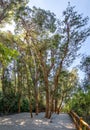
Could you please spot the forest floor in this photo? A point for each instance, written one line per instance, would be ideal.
(23, 121)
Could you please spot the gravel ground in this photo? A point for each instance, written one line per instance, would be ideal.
(23, 121)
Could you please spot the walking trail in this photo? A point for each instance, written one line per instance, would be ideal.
(23, 121)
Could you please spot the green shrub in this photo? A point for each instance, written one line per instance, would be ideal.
(25, 105)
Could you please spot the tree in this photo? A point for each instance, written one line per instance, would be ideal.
(8, 9)
(7, 48)
(79, 102)
(54, 45)
(66, 86)
(38, 29)
(8, 51)
(73, 35)
(81, 98)
(85, 66)
(7, 13)
(46, 47)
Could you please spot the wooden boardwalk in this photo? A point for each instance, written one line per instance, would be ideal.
(23, 121)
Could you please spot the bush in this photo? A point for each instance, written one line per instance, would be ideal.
(25, 105)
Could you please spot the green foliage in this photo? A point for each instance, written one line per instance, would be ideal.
(66, 85)
(44, 19)
(8, 50)
(85, 66)
(42, 107)
(6, 54)
(8, 10)
(80, 103)
(74, 31)
(44, 46)
(25, 105)
(8, 103)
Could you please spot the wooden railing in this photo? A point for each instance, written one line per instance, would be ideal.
(79, 122)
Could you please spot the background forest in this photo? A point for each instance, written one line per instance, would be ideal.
(35, 60)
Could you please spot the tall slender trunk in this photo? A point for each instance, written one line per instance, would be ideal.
(56, 82)
(36, 98)
(15, 78)
(56, 103)
(59, 69)
(52, 105)
(47, 114)
(29, 92)
(60, 105)
(19, 104)
(3, 82)
(30, 105)
(46, 82)
(52, 109)
(19, 91)
(36, 88)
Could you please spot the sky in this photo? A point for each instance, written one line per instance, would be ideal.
(58, 6)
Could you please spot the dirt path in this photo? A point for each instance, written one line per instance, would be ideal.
(24, 122)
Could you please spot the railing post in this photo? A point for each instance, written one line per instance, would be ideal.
(80, 124)
(84, 128)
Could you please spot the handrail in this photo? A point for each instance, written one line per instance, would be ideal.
(79, 122)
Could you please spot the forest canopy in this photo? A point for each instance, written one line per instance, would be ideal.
(34, 60)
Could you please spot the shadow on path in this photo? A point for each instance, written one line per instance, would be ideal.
(23, 121)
